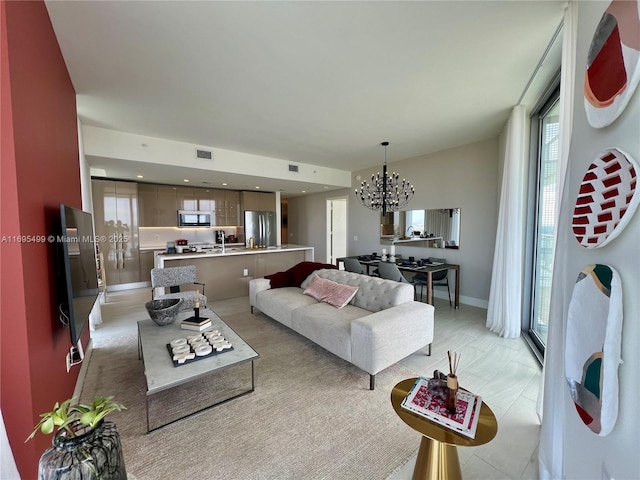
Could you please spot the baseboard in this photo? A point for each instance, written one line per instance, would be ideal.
(474, 302)
(471, 301)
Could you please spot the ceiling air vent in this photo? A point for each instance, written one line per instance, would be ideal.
(293, 168)
(205, 154)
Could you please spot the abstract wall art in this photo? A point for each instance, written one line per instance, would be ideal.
(613, 63)
(592, 353)
(607, 198)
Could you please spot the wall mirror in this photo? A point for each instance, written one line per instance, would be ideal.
(430, 227)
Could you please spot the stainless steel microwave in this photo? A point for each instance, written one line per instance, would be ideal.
(190, 218)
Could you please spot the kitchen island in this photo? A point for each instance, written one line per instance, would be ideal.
(226, 275)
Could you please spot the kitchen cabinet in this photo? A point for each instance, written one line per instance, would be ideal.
(115, 212)
(157, 205)
(205, 199)
(167, 206)
(232, 208)
(186, 198)
(223, 273)
(267, 264)
(217, 203)
(146, 264)
(261, 201)
(225, 207)
(147, 205)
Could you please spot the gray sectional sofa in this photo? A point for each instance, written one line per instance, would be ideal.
(381, 325)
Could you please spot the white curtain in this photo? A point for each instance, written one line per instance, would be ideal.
(505, 297)
(553, 389)
(438, 223)
(455, 226)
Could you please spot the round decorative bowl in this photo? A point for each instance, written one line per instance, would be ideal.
(164, 312)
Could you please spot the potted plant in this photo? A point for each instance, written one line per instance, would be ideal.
(85, 445)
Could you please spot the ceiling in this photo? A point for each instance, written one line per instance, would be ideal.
(319, 83)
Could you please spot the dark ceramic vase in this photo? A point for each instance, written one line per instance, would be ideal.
(91, 455)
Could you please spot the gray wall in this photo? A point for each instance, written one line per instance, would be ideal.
(586, 455)
(465, 177)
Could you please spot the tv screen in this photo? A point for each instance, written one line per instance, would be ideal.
(80, 271)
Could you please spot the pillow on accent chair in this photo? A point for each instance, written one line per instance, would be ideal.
(280, 279)
(328, 291)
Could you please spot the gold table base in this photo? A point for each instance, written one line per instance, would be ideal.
(438, 457)
(436, 460)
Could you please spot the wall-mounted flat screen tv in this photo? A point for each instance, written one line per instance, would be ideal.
(80, 283)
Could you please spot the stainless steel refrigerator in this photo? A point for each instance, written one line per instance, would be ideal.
(261, 227)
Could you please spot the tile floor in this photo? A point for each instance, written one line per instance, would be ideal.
(504, 372)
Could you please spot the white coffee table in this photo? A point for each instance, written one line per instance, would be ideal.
(227, 370)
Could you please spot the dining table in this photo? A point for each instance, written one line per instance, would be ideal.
(369, 262)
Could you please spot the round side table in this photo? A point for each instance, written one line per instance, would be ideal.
(438, 457)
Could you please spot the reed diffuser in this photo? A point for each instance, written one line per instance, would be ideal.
(452, 381)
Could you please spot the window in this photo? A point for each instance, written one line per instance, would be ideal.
(545, 130)
(415, 219)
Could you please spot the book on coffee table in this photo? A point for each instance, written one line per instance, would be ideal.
(196, 327)
(195, 321)
(433, 407)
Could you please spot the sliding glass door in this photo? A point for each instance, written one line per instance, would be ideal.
(546, 127)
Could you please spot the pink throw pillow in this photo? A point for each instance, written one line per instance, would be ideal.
(328, 291)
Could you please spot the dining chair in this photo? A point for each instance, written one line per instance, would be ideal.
(353, 265)
(390, 271)
(439, 279)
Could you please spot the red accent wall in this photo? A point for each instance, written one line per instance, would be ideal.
(39, 170)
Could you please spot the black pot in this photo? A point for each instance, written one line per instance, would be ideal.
(92, 454)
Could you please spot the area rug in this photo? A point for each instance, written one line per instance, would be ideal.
(311, 416)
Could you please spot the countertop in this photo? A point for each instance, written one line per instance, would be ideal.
(395, 240)
(164, 247)
(232, 251)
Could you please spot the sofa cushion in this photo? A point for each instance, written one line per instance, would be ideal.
(374, 294)
(327, 291)
(328, 327)
(280, 279)
(279, 303)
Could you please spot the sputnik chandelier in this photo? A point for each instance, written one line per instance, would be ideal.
(386, 193)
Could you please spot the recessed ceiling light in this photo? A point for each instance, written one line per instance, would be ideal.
(257, 188)
(186, 180)
(325, 187)
(304, 191)
(139, 176)
(224, 184)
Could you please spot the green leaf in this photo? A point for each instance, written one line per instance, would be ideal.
(47, 426)
(64, 414)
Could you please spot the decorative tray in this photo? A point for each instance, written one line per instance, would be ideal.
(197, 347)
